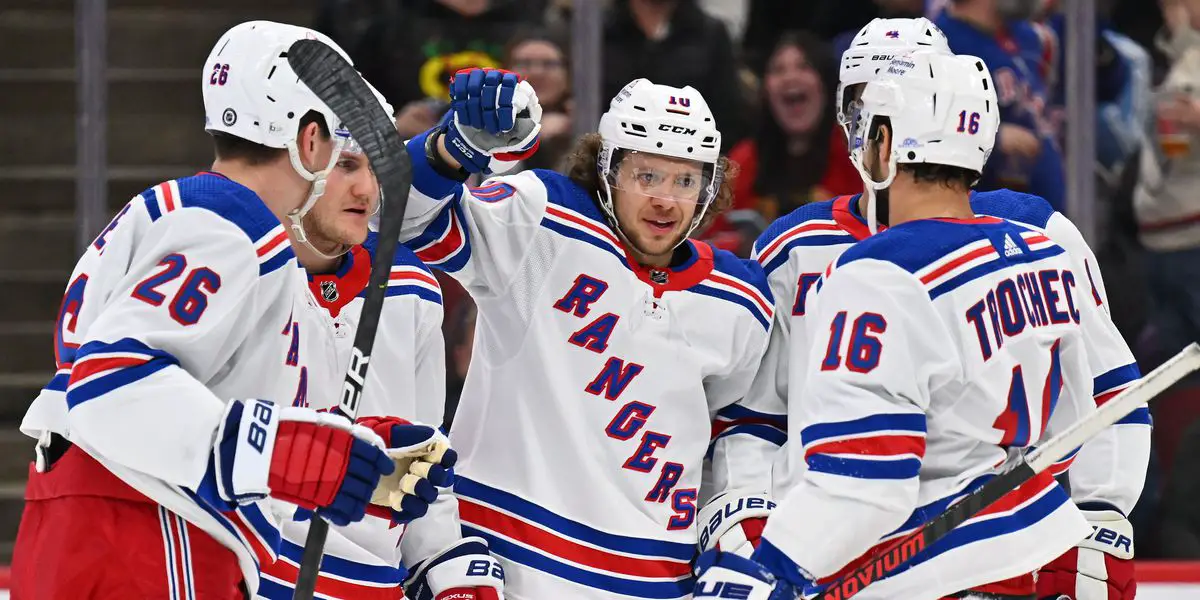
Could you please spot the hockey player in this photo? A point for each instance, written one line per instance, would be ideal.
(914, 395)
(1108, 473)
(167, 453)
(607, 342)
(367, 560)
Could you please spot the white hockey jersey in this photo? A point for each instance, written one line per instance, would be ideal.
(406, 378)
(594, 385)
(183, 302)
(796, 249)
(942, 349)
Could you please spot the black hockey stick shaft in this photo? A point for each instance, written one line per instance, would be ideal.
(904, 549)
(340, 87)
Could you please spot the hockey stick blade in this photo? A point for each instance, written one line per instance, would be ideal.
(339, 86)
(904, 549)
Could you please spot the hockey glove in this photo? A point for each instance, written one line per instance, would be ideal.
(733, 522)
(1099, 568)
(317, 461)
(464, 571)
(423, 461)
(494, 121)
(727, 575)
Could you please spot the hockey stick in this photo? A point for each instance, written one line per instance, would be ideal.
(340, 87)
(904, 549)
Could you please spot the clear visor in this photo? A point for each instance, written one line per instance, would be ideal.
(665, 177)
(845, 114)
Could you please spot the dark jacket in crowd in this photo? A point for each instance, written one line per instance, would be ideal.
(697, 51)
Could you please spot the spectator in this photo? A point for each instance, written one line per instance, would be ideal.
(542, 59)
(1165, 200)
(799, 153)
(411, 49)
(673, 42)
(1020, 55)
(769, 19)
(1179, 531)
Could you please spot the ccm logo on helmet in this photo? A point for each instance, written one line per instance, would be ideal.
(676, 129)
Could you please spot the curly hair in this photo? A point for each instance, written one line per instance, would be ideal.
(580, 167)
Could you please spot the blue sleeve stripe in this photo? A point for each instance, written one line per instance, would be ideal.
(882, 422)
(611, 584)
(736, 412)
(754, 309)
(534, 513)
(986, 268)
(412, 290)
(345, 568)
(578, 234)
(155, 360)
(275, 262)
(1140, 416)
(433, 230)
(764, 432)
(151, 204)
(1115, 378)
(782, 255)
(905, 468)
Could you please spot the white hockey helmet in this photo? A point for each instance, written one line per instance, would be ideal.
(875, 45)
(251, 92)
(942, 110)
(667, 121)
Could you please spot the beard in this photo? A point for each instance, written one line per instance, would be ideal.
(325, 235)
(1018, 10)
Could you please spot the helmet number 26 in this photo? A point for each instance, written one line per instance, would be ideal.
(220, 74)
(968, 123)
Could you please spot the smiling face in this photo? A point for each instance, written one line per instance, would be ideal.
(542, 63)
(654, 198)
(340, 217)
(794, 91)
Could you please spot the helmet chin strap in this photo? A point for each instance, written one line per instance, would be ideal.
(870, 186)
(318, 179)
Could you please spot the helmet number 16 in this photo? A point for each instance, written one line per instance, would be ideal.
(968, 123)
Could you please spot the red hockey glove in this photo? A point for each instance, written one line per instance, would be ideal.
(1099, 568)
(313, 460)
(464, 571)
(423, 461)
(733, 522)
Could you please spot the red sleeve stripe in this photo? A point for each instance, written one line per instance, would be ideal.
(872, 446)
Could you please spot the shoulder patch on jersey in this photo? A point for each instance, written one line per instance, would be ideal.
(232, 202)
(947, 253)
(809, 225)
(1013, 206)
(740, 281)
(409, 276)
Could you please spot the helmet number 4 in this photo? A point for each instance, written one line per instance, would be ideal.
(969, 124)
(220, 74)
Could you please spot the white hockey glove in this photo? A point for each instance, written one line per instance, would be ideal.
(726, 575)
(424, 463)
(1098, 568)
(494, 121)
(733, 521)
(464, 571)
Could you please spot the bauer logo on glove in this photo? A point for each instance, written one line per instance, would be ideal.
(494, 121)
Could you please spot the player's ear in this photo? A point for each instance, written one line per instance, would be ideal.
(883, 142)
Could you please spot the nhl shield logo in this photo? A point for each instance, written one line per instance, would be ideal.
(329, 291)
(658, 276)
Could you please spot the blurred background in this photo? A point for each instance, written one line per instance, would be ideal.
(100, 99)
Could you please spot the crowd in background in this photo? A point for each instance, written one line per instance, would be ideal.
(768, 69)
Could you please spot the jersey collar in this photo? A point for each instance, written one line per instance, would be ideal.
(334, 291)
(690, 272)
(845, 214)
